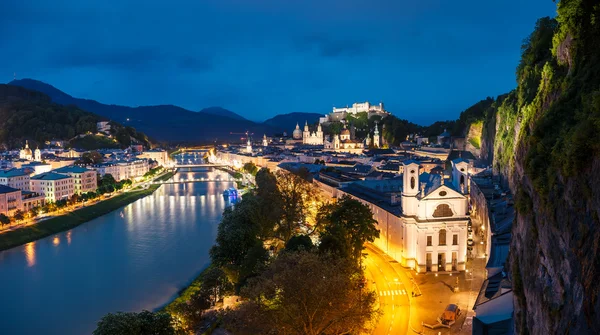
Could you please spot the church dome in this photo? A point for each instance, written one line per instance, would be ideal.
(345, 131)
(26, 151)
(297, 134)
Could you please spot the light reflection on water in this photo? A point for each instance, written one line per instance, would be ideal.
(139, 260)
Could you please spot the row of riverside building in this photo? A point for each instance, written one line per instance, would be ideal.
(23, 188)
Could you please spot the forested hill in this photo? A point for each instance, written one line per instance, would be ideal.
(543, 138)
(30, 115)
(163, 122)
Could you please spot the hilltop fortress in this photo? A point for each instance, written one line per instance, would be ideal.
(339, 114)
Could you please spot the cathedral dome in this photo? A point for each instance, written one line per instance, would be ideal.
(297, 134)
(345, 131)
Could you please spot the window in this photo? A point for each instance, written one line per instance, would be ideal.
(443, 193)
(429, 243)
(442, 237)
(412, 183)
(442, 210)
(455, 239)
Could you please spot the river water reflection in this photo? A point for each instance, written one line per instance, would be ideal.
(134, 258)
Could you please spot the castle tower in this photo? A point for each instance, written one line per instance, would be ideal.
(376, 138)
(265, 141)
(37, 155)
(410, 187)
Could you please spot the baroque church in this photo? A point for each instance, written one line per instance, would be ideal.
(27, 154)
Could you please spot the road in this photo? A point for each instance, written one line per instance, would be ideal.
(391, 291)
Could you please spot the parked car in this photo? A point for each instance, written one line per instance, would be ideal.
(450, 315)
(470, 242)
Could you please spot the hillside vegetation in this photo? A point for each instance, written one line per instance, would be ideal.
(30, 115)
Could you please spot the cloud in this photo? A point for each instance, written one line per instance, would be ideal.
(327, 46)
(196, 63)
(116, 58)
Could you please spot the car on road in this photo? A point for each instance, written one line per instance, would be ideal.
(470, 242)
(450, 315)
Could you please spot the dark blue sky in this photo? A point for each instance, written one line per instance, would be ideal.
(426, 59)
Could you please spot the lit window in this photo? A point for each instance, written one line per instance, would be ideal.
(429, 243)
(442, 236)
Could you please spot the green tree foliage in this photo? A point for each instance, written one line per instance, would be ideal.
(250, 168)
(4, 220)
(349, 224)
(269, 203)
(143, 323)
(395, 130)
(535, 52)
(108, 184)
(31, 115)
(304, 293)
(237, 246)
(19, 215)
(299, 242)
(90, 157)
(476, 113)
(297, 196)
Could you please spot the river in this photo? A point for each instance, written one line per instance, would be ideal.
(135, 258)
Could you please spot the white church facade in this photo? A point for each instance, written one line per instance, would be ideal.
(428, 231)
(312, 138)
(27, 154)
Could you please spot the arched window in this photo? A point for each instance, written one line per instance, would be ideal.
(442, 210)
(462, 180)
(442, 236)
(412, 183)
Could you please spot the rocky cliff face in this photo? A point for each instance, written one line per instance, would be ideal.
(547, 146)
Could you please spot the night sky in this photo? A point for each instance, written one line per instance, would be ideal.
(425, 59)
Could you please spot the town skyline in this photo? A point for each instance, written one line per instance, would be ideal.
(320, 51)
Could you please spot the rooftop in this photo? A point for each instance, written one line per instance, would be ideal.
(5, 189)
(50, 176)
(71, 169)
(13, 173)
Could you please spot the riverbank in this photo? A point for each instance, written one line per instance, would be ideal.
(186, 293)
(71, 220)
(165, 176)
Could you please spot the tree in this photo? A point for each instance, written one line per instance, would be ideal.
(299, 242)
(269, 203)
(34, 211)
(215, 284)
(304, 293)
(250, 168)
(4, 220)
(299, 199)
(142, 323)
(19, 215)
(237, 234)
(90, 157)
(347, 224)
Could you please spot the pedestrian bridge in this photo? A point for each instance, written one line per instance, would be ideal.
(177, 166)
(196, 180)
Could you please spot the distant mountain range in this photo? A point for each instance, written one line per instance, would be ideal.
(172, 123)
(287, 122)
(222, 112)
(31, 115)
